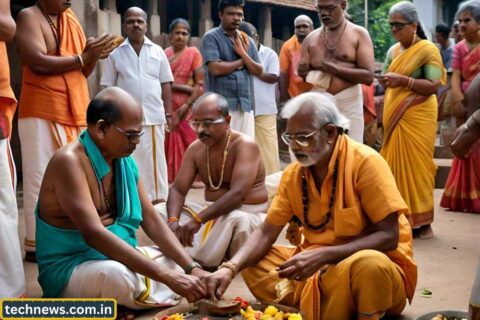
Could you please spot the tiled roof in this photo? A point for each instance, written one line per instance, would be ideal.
(300, 4)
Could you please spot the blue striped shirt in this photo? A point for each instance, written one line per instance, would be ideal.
(236, 87)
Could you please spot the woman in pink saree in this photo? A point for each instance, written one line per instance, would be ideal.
(186, 64)
(462, 189)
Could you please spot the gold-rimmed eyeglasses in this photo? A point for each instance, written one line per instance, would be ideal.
(303, 140)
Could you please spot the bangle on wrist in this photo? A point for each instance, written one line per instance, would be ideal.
(188, 269)
(410, 83)
(196, 217)
(173, 219)
(168, 115)
(79, 59)
(230, 265)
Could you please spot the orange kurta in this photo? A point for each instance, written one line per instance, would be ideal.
(289, 58)
(8, 102)
(366, 193)
(63, 97)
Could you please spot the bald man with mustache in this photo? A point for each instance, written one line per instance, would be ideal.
(229, 164)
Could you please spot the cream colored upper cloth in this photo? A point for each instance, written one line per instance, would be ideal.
(319, 79)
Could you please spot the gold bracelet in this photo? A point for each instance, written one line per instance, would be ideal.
(196, 217)
(230, 265)
(411, 81)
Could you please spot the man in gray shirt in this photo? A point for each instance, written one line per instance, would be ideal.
(231, 58)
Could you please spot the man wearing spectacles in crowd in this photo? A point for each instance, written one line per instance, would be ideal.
(354, 260)
(91, 203)
(229, 164)
(338, 57)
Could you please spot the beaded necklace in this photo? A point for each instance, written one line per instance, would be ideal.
(55, 31)
(330, 205)
(225, 153)
(107, 202)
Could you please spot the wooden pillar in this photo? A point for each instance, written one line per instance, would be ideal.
(154, 19)
(109, 20)
(206, 22)
(265, 25)
(162, 11)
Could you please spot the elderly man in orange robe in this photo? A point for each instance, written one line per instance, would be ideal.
(355, 260)
(12, 277)
(56, 61)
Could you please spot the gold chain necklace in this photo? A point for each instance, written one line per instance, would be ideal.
(334, 48)
(225, 153)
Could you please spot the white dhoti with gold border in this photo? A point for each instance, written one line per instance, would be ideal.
(220, 238)
(111, 279)
(152, 164)
(39, 139)
(349, 101)
(266, 139)
(350, 104)
(12, 276)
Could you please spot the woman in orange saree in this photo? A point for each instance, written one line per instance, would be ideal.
(462, 189)
(186, 64)
(414, 71)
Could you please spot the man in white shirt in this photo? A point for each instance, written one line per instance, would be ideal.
(265, 104)
(141, 68)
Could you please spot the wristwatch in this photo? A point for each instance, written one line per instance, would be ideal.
(191, 266)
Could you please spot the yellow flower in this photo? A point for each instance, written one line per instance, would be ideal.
(294, 316)
(271, 311)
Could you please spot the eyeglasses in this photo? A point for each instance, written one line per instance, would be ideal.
(399, 25)
(303, 140)
(328, 9)
(206, 123)
(131, 136)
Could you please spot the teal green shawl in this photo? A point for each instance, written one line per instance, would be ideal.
(60, 250)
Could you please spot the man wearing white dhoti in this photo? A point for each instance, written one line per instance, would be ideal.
(336, 58)
(141, 68)
(12, 276)
(230, 165)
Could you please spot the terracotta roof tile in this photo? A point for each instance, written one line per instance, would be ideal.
(300, 4)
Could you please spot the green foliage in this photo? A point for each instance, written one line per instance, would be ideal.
(377, 23)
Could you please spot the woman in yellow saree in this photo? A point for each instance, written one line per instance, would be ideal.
(414, 71)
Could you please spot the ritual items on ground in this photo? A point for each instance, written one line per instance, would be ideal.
(270, 313)
(442, 317)
(234, 309)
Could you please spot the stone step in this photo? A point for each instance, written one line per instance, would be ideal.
(443, 152)
(443, 170)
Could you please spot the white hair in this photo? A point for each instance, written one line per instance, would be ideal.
(303, 17)
(324, 109)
